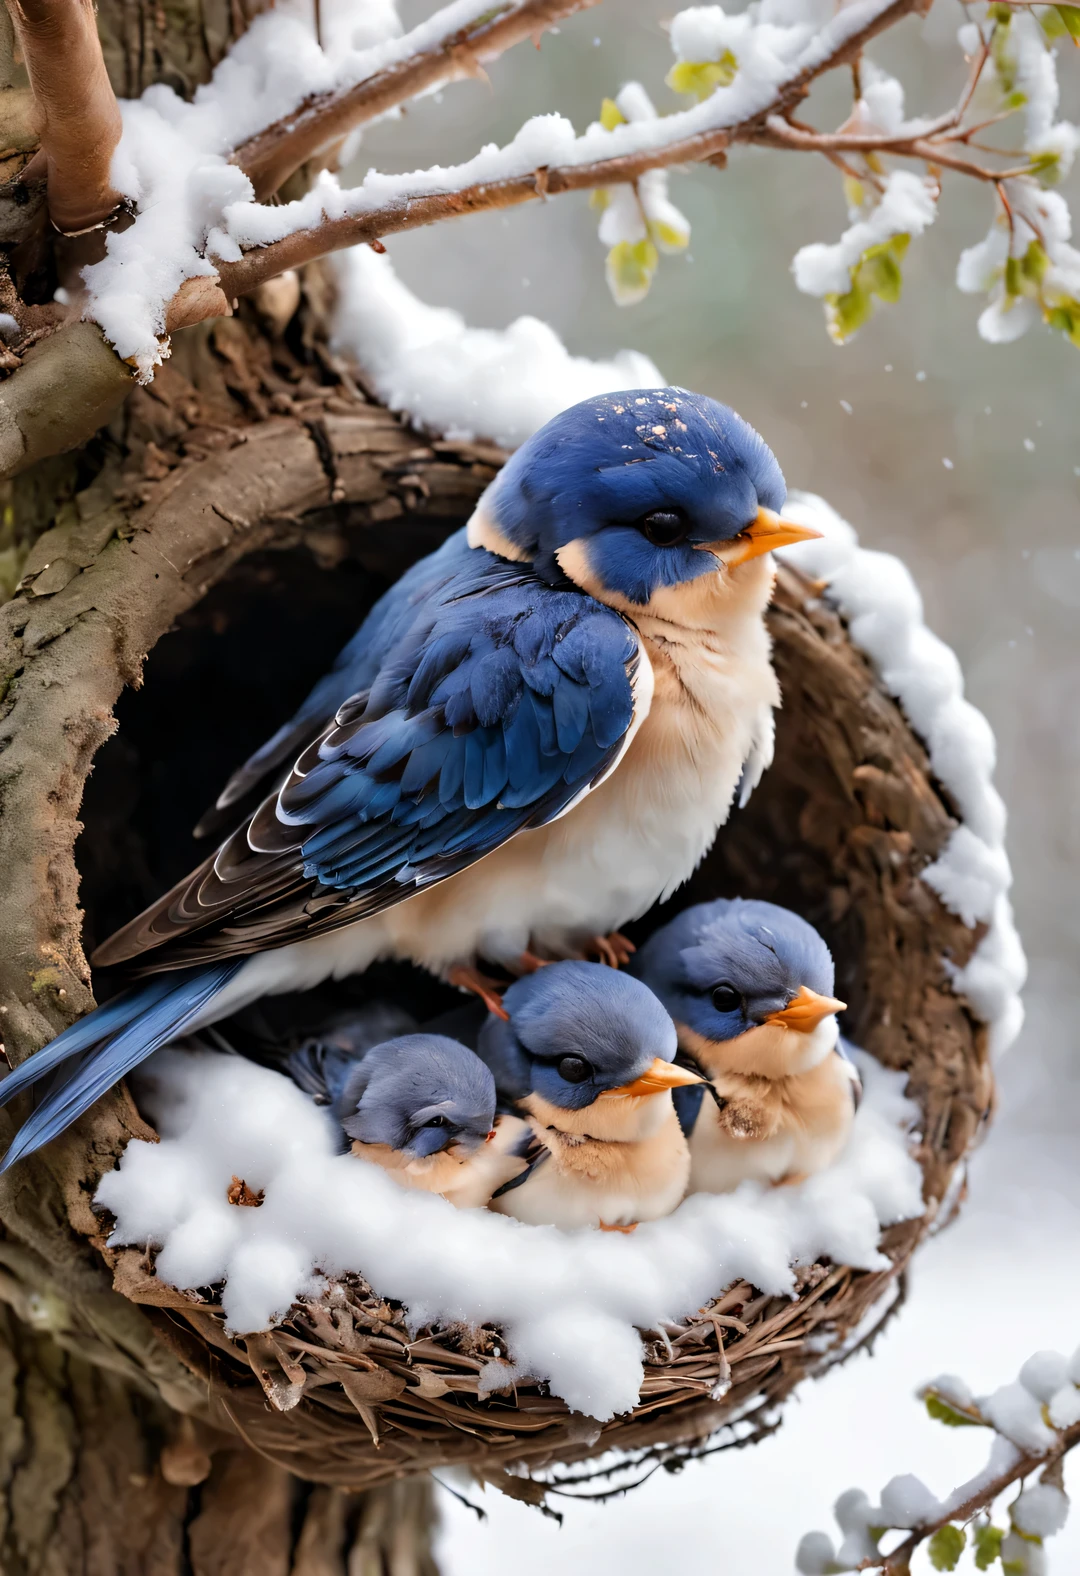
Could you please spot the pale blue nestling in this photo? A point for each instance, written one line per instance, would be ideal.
(533, 737)
(750, 987)
(586, 1059)
(421, 1106)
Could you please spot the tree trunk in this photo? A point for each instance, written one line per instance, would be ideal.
(105, 1464)
(98, 1477)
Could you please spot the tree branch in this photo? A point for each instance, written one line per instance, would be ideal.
(78, 116)
(304, 246)
(928, 145)
(272, 155)
(898, 1562)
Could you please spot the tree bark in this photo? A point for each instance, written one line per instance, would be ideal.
(108, 1464)
(97, 1476)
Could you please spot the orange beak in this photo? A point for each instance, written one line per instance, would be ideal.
(767, 532)
(490, 1136)
(806, 1011)
(661, 1075)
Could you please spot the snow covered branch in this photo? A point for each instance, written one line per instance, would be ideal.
(193, 172)
(78, 116)
(1035, 1423)
(544, 159)
(454, 43)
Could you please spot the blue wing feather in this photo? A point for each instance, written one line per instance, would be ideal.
(357, 665)
(497, 702)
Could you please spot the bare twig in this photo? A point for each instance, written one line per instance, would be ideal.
(930, 146)
(78, 116)
(304, 246)
(271, 156)
(898, 1562)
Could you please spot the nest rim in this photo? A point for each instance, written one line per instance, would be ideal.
(341, 1394)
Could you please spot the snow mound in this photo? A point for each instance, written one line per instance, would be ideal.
(571, 1303)
(884, 613)
(464, 382)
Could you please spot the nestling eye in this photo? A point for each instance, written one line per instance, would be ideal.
(664, 527)
(725, 998)
(574, 1069)
(437, 1121)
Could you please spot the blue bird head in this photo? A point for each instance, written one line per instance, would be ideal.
(577, 1031)
(627, 493)
(419, 1094)
(725, 967)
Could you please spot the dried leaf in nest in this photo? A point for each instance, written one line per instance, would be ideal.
(280, 1375)
(240, 1193)
(365, 1390)
(369, 1385)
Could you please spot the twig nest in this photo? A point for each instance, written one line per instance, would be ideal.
(854, 827)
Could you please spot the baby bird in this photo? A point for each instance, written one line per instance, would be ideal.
(585, 1058)
(422, 1107)
(749, 986)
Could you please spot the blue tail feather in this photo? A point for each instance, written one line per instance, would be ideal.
(108, 1043)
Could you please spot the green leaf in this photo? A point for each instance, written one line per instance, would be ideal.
(845, 314)
(987, 1545)
(630, 269)
(611, 115)
(667, 237)
(1061, 21)
(943, 1411)
(701, 78)
(854, 192)
(1047, 166)
(1065, 318)
(946, 1547)
(877, 273)
(1034, 265)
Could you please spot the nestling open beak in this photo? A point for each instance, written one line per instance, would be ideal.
(767, 532)
(806, 1011)
(661, 1075)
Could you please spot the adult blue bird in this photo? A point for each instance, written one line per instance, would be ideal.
(532, 737)
(750, 987)
(421, 1107)
(585, 1058)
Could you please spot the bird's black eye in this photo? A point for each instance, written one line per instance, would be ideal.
(725, 998)
(664, 527)
(574, 1069)
(437, 1121)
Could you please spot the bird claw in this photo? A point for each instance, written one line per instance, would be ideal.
(465, 977)
(615, 950)
(626, 1230)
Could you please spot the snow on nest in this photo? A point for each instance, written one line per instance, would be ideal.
(464, 382)
(884, 613)
(571, 1303)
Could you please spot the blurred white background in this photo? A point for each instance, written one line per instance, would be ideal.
(993, 539)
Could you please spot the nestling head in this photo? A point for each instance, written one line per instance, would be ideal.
(579, 1033)
(635, 494)
(420, 1094)
(749, 984)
